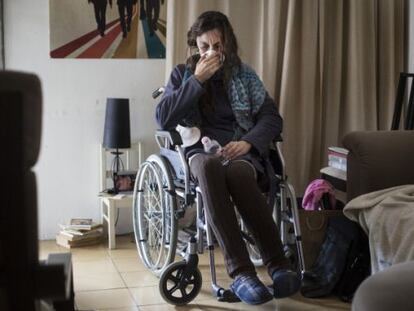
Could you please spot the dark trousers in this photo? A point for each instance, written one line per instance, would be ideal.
(153, 13)
(237, 181)
(142, 13)
(100, 14)
(122, 6)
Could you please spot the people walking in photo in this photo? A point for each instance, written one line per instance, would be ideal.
(125, 20)
(100, 14)
(142, 13)
(153, 13)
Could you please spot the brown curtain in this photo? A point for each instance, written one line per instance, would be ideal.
(331, 65)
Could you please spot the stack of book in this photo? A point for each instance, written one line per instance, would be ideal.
(337, 158)
(79, 232)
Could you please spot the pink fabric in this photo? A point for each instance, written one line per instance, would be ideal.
(314, 193)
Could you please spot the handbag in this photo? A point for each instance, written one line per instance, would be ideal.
(313, 225)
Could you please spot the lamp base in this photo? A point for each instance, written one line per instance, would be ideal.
(116, 166)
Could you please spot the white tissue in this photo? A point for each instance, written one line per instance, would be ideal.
(189, 135)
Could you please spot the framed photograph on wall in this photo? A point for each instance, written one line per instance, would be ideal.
(124, 181)
(108, 28)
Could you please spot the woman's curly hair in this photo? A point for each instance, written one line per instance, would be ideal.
(207, 21)
(215, 20)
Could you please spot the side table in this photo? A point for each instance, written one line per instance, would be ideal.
(109, 209)
(337, 178)
(110, 202)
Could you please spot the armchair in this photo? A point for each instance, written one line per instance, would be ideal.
(379, 160)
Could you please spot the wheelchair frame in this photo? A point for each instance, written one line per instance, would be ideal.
(171, 180)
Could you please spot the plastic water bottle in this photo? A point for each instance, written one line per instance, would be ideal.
(212, 146)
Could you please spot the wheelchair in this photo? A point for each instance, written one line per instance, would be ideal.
(164, 190)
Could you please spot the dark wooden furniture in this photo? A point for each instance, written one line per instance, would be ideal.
(25, 282)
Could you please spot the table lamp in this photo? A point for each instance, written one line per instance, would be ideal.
(117, 133)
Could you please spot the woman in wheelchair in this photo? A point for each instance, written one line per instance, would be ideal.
(227, 101)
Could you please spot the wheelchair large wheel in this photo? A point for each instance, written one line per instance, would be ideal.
(154, 206)
(177, 290)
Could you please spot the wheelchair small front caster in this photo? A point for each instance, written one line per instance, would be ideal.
(175, 287)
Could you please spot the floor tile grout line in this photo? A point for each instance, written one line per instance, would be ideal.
(98, 290)
(123, 281)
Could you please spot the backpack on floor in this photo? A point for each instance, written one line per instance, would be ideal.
(342, 264)
(357, 267)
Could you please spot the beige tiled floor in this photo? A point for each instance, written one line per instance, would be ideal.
(116, 280)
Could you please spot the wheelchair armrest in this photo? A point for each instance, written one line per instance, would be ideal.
(173, 137)
(276, 156)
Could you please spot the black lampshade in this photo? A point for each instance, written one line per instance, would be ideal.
(117, 134)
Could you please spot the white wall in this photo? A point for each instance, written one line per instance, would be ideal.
(74, 95)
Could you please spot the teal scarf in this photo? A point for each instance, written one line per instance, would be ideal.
(246, 94)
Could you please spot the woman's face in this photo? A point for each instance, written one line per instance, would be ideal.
(210, 40)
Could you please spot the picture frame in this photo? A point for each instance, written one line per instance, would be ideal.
(115, 29)
(124, 181)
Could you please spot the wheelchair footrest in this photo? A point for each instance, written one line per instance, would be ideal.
(226, 295)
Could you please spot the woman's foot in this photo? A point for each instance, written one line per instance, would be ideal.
(250, 289)
(285, 283)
